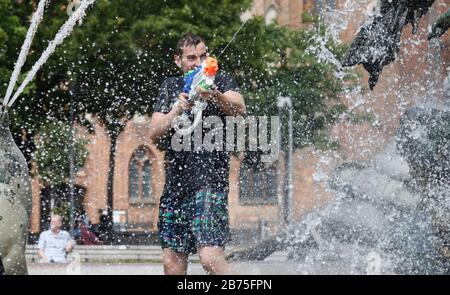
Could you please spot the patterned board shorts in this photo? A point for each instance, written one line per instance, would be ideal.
(194, 221)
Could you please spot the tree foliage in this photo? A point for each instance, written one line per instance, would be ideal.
(54, 148)
(114, 62)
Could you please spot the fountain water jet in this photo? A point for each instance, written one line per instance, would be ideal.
(37, 18)
(63, 32)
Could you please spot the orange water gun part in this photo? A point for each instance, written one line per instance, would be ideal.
(211, 68)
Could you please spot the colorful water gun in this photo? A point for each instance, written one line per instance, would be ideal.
(203, 76)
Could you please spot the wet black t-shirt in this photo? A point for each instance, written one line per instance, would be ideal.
(190, 171)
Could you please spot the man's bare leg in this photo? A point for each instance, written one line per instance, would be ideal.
(213, 260)
(174, 263)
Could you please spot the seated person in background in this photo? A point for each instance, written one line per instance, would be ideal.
(54, 244)
(76, 234)
(87, 237)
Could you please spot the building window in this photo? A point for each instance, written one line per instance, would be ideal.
(140, 176)
(271, 15)
(257, 181)
(147, 180)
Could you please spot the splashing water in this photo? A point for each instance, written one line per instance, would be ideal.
(326, 56)
(336, 22)
(63, 32)
(377, 223)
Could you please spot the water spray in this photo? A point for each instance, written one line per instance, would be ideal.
(232, 39)
(35, 21)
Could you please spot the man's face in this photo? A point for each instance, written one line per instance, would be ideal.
(193, 56)
(55, 223)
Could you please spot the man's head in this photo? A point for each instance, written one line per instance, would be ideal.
(56, 222)
(191, 51)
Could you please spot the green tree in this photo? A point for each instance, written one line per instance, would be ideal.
(13, 28)
(58, 151)
(287, 65)
(54, 148)
(12, 33)
(117, 59)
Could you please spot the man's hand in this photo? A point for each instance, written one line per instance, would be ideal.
(207, 95)
(182, 103)
(69, 247)
(162, 122)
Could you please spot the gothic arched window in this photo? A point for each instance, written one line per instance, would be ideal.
(140, 176)
(271, 15)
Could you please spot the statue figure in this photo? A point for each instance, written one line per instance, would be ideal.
(15, 203)
(441, 26)
(378, 40)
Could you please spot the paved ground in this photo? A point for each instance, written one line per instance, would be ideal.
(276, 264)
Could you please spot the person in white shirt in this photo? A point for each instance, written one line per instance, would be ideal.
(54, 244)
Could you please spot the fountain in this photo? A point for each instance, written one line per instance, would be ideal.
(15, 182)
(389, 214)
(386, 215)
(378, 41)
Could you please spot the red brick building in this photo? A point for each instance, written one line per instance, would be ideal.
(139, 172)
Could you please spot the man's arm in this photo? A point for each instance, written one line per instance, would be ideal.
(230, 102)
(69, 246)
(161, 122)
(70, 243)
(41, 246)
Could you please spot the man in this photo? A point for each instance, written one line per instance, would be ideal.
(55, 244)
(193, 213)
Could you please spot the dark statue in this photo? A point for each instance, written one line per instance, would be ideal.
(378, 41)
